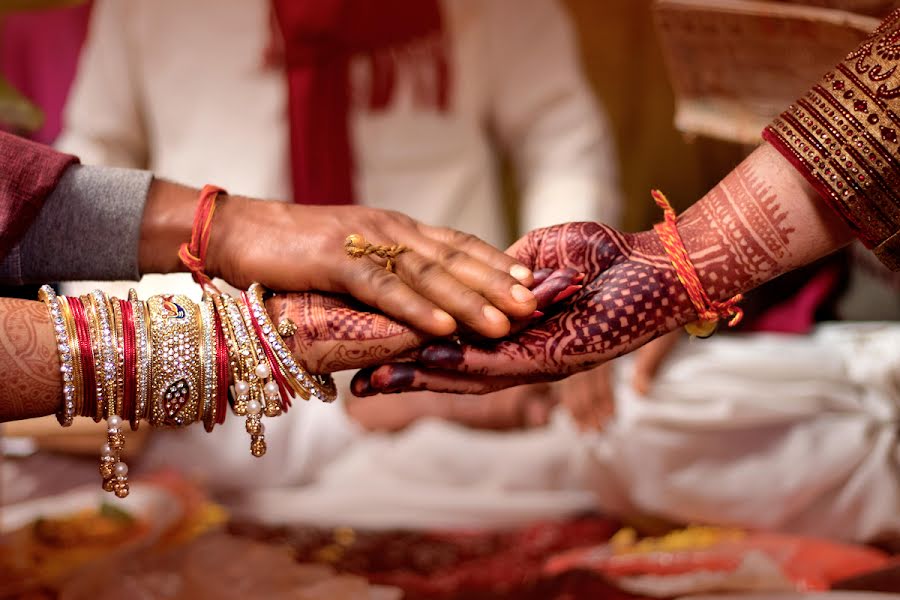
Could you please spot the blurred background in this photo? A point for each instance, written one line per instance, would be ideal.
(778, 442)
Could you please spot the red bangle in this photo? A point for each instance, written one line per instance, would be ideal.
(193, 255)
(129, 345)
(87, 355)
(708, 311)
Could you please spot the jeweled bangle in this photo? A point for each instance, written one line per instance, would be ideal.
(175, 371)
(66, 413)
(74, 347)
(142, 358)
(106, 343)
(208, 355)
(307, 385)
(118, 327)
(275, 402)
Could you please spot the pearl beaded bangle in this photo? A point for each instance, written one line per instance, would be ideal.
(66, 413)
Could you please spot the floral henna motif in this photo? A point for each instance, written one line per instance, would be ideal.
(28, 360)
(335, 334)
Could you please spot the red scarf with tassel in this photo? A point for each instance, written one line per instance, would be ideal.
(318, 40)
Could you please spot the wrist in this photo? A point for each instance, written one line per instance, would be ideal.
(224, 234)
(166, 224)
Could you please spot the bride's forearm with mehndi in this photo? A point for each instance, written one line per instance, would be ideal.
(763, 219)
(28, 360)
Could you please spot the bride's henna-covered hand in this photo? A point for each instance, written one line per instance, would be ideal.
(760, 221)
(335, 333)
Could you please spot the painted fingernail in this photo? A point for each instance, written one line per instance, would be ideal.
(445, 356)
(536, 315)
(493, 314)
(578, 278)
(520, 272)
(566, 293)
(521, 294)
(444, 318)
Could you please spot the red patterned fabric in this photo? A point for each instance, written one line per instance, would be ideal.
(320, 37)
(457, 566)
(28, 173)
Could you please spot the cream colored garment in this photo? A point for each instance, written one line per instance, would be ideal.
(180, 88)
(789, 432)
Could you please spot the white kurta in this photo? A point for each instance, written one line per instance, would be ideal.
(180, 88)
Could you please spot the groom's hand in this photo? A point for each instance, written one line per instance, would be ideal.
(630, 295)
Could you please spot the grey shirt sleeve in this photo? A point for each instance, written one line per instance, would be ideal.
(89, 228)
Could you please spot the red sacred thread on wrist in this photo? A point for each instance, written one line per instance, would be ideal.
(82, 329)
(708, 311)
(129, 345)
(193, 255)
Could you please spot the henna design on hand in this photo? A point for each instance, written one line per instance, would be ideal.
(336, 333)
(28, 360)
(738, 236)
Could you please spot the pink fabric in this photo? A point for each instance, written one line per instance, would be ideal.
(39, 55)
(797, 314)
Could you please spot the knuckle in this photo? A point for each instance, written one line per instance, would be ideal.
(449, 254)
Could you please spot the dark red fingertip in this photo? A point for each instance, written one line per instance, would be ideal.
(393, 378)
(540, 275)
(536, 315)
(547, 291)
(578, 278)
(361, 385)
(446, 356)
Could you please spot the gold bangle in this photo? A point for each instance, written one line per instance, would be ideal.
(249, 374)
(142, 356)
(208, 353)
(175, 373)
(99, 401)
(66, 413)
(119, 329)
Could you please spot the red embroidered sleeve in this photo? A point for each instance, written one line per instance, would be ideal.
(843, 136)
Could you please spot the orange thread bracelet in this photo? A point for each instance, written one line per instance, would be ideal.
(708, 311)
(193, 255)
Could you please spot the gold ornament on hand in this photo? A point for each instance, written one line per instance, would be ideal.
(356, 246)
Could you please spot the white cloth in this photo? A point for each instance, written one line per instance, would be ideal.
(798, 433)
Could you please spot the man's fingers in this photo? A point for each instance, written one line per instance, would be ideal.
(373, 285)
(480, 250)
(497, 286)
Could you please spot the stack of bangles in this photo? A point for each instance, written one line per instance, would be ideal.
(172, 362)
